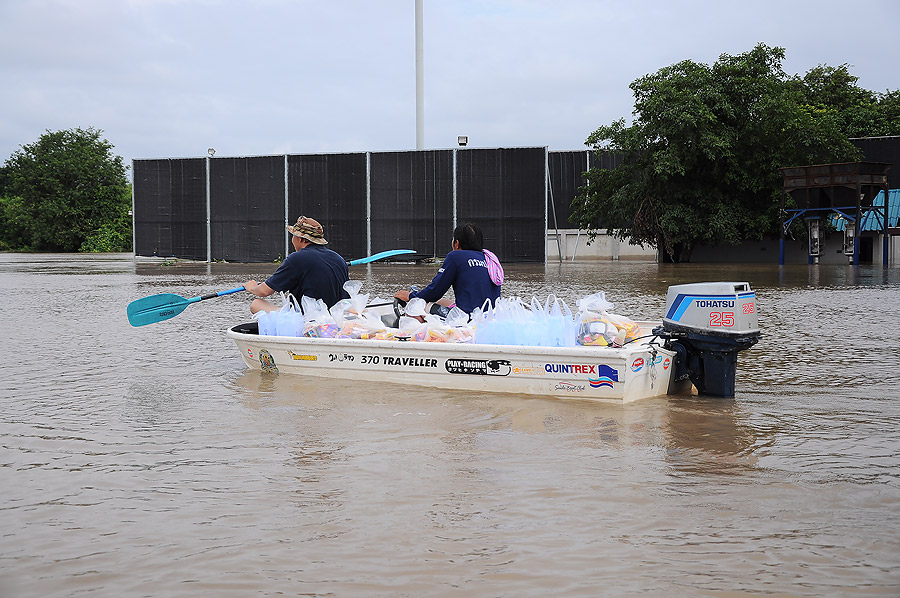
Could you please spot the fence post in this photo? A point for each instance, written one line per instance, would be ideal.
(368, 203)
(287, 215)
(208, 218)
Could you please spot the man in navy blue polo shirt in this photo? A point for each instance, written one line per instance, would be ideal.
(312, 270)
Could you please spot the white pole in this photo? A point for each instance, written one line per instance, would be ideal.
(420, 80)
(287, 216)
(368, 203)
(208, 218)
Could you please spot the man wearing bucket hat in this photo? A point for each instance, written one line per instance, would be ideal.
(312, 270)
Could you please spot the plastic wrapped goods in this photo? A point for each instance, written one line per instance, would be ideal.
(319, 323)
(598, 327)
(287, 321)
(511, 322)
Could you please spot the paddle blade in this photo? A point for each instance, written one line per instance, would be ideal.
(379, 256)
(156, 308)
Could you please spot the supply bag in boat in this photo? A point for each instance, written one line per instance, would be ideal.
(454, 328)
(598, 327)
(554, 325)
(511, 322)
(287, 321)
(319, 323)
(350, 315)
(412, 328)
(503, 323)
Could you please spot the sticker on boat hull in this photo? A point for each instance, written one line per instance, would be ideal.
(569, 387)
(605, 377)
(299, 357)
(479, 367)
(266, 361)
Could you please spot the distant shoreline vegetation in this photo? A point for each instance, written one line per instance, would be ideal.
(67, 192)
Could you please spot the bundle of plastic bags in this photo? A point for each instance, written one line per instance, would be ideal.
(287, 321)
(598, 327)
(510, 321)
(352, 318)
(455, 328)
(319, 322)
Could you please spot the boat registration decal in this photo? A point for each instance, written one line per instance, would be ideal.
(266, 361)
(479, 367)
(637, 364)
(298, 357)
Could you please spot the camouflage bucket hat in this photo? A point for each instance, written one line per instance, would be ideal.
(309, 229)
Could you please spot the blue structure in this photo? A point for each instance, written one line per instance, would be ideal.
(849, 189)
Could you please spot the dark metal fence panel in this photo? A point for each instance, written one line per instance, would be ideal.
(605, 160)
(170, 208)
(331, 188)
(504, 192)
(566, 176)
(412, 201)
(247, 208)
(883, 149)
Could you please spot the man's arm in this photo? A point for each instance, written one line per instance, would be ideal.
(441, 283)
(260, 289)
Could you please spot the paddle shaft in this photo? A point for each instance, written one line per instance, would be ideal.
(214, 295)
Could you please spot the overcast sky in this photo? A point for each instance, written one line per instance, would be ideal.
(171, 78)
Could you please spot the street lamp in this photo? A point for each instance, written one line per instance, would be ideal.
(211, 151)
(462, 140)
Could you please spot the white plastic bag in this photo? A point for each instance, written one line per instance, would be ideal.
(288, 319)
(318, 322)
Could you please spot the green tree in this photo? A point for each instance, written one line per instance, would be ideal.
(858, 112)
(701, 157)
(67, 191)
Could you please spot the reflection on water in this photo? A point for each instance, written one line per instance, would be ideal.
(149, 461)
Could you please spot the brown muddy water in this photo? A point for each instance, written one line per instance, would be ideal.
(149, 462)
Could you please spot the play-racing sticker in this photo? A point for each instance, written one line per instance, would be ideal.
(479, 367)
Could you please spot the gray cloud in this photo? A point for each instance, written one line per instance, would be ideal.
(173, 77)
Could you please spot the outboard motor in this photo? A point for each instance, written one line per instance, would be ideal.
(707, 324)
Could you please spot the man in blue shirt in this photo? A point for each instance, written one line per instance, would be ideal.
(312, 270)
(474, 273)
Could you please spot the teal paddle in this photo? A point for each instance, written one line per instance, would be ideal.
(157, 308)
(379, 256)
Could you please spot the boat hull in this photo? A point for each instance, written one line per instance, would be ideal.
(637, 371)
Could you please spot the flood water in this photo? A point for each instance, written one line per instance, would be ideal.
(149, 462)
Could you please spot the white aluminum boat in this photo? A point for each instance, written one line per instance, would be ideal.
(638, 370)
(705, 326)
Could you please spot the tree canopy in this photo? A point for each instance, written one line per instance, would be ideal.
(66, 192)
(702, 154)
